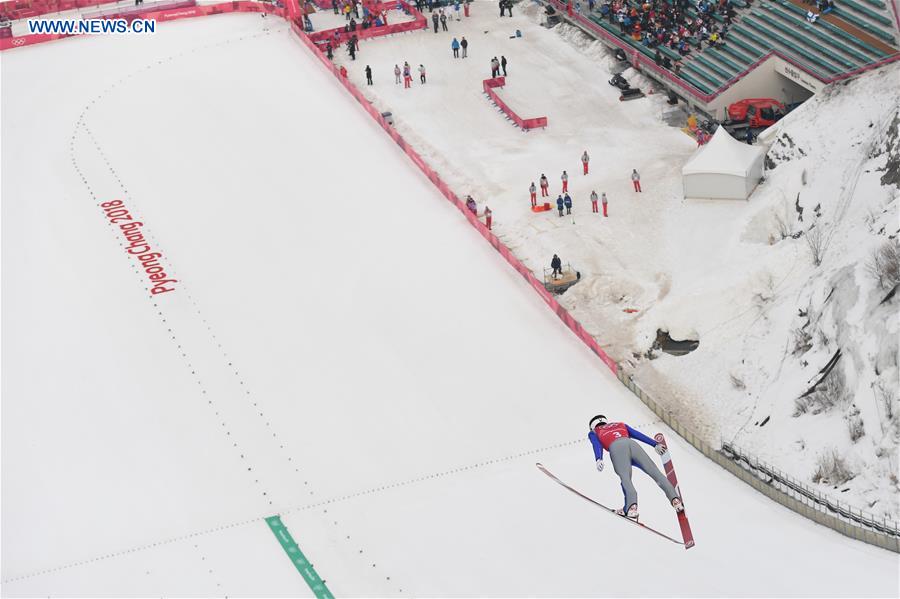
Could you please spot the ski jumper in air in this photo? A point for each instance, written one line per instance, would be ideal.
(619, 440)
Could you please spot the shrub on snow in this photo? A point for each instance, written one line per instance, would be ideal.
(832, 469)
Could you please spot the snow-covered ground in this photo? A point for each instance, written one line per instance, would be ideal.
(713, 271)
(340, 348)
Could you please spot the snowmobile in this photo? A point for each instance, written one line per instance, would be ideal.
(628, 92)
(619, 81)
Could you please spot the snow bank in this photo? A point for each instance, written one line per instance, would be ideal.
(717, 272)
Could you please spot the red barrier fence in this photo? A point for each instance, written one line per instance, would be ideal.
(526, 124)
(134, 12)
(442, 187)
(339, 36)
(166, 14)
(246, 6)
(29, 9)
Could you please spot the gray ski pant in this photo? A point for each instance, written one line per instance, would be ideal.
(624, 452)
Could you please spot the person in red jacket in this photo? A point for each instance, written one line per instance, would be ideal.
(619, 440)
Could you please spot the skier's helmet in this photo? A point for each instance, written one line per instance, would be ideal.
(598, 420)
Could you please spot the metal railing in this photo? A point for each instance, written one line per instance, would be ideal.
(778, 486)
(790, 485)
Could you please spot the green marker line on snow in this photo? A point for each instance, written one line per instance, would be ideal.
(316, 584)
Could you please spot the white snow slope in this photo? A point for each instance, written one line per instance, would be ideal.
(340, 348)
(697, 269)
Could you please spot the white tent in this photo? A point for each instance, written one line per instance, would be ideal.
(723, 169)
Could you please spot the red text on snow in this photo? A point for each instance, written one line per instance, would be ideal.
(139, 247)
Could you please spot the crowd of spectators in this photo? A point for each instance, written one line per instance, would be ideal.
(671, 23)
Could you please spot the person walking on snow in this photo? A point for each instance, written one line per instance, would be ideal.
(565, 181)
(594, 202)
(559, 204)
(584, 161)
(434, 21)
(619, 440)
(636, 179)
(422, 74)
(503, 64)
(603, 201)
(397, 74)
(556, 265)
(454, 45)
(495, 67)
(368, 75)
(407, 76)
(471, 205)
(533, 191)
(456, 9)
(568, 201)
(443, 21)
(545, 185)
(465, 47)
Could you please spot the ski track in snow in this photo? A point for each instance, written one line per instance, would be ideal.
(442, 506)
(217, 357)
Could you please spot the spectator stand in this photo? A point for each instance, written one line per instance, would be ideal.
(707, 77)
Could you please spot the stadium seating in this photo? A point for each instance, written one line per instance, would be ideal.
(826, 48)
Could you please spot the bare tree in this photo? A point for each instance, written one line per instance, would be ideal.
(884, 265)
(815, 239)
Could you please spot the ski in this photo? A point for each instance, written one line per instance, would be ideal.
(597, 503)
(686, 533)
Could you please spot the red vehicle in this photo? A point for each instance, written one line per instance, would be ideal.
(754, 113)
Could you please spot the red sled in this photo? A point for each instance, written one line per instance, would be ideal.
(686, 533)
(541, 207)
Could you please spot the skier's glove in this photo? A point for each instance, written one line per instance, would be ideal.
(600, 465)
(660, 448)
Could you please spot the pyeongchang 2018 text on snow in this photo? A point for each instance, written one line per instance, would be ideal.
(139, 247)
(92, 26)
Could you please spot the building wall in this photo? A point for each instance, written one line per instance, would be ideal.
(768, 80)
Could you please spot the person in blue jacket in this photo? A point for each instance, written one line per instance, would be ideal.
(568, 202)
(559, 204)
(619, 440)
(454, 45)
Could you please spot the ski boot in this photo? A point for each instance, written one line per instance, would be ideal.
(676, 503)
